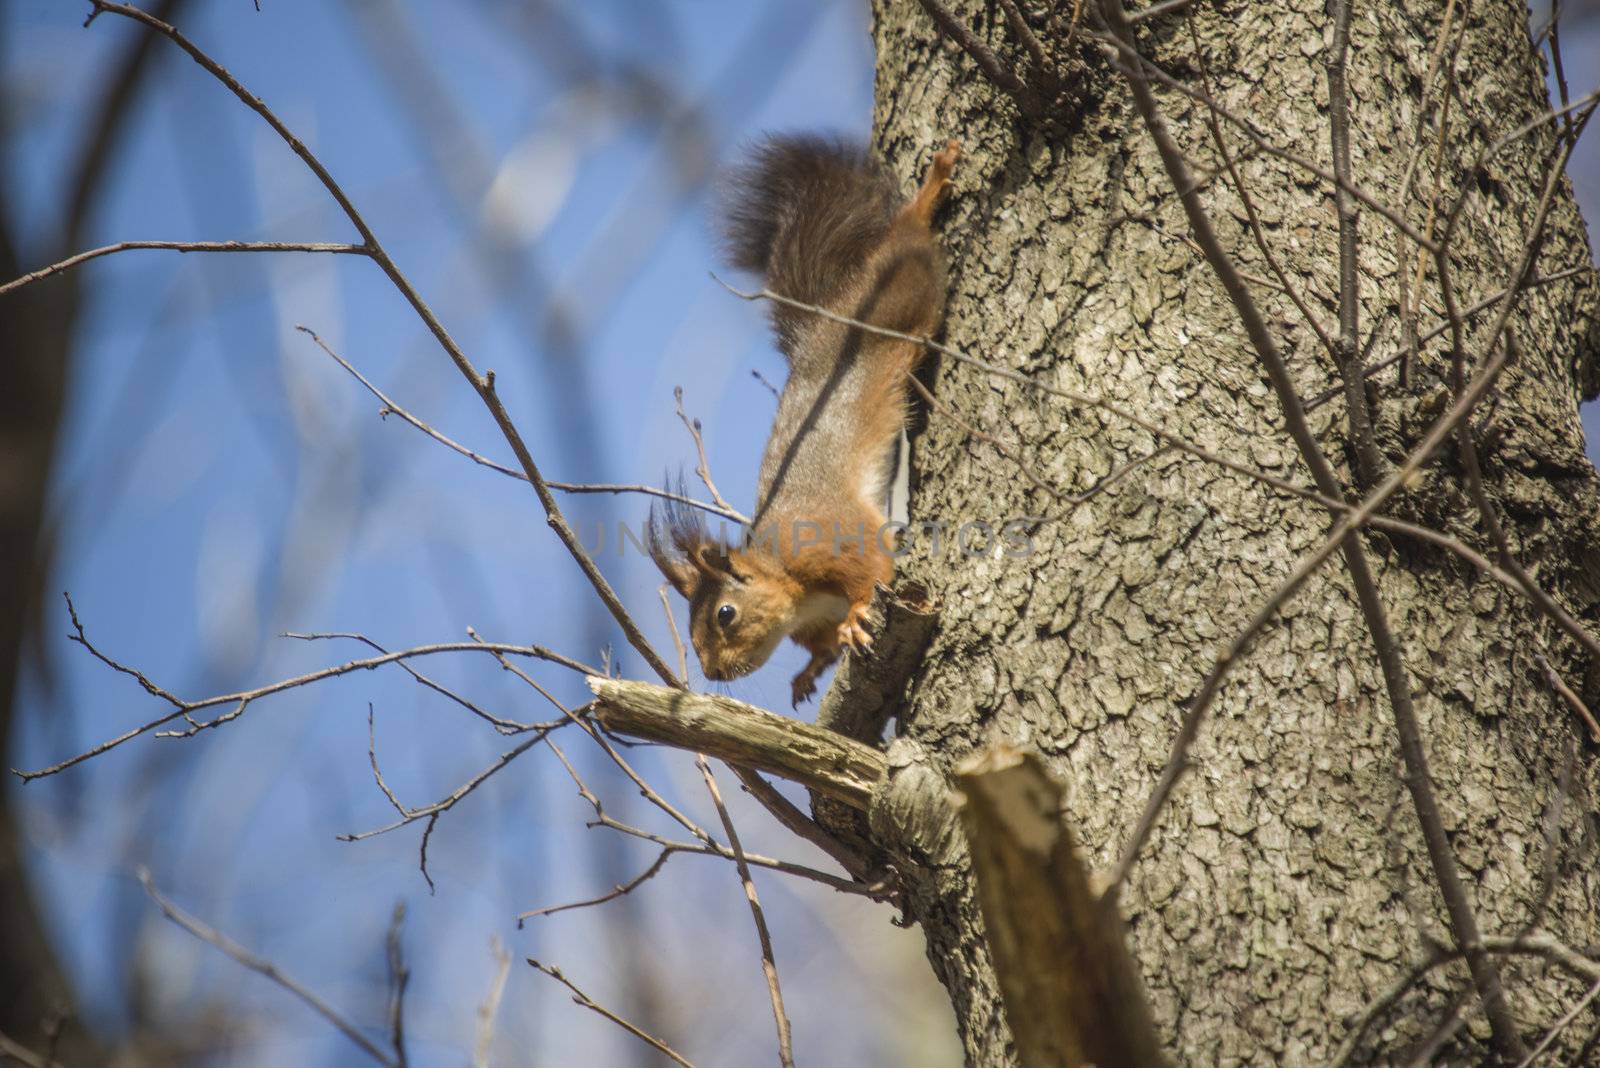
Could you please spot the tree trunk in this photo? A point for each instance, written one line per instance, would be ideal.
(1285, 884)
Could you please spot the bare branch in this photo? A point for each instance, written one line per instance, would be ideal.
(1369, 464)
(1567, 694)
(1561, 1024)
(1410, 292)
(677, 638)
(1535, 944)
(503, 726)
(181, 246)
(620, 890)
(1025, 34)
(399, 977)
(703, 467)
(432, 812)
(780, 807)
(262, 966)
(711, 848)
(484, 1048)
(738, 733)
(769, 964)
(1072, 992)
(23, 1055)
(646, 791)
(242, 699)
(580, 998)
(482, 384)
(392, 408)
(959, 32)
(1463, 919)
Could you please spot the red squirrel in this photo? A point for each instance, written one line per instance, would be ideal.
(826, 226)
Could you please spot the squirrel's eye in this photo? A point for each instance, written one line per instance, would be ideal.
(726, 614)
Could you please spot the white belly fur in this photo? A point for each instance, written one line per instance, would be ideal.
(820, 609)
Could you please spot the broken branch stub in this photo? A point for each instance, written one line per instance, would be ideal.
(1072, 995)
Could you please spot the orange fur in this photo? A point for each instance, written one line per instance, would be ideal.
(818, 218)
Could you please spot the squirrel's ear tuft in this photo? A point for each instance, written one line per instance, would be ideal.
(662, 540)
(681, 546)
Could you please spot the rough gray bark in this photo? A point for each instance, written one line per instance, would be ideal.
(1285, 885)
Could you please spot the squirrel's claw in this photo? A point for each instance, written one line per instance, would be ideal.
(803, 686)
(805, 683)
(853, 633)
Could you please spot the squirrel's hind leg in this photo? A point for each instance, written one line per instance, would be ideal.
(936, 186)
(823, 654)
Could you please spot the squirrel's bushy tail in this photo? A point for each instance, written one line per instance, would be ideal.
(805, 212)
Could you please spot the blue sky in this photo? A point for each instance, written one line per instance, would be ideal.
(221, 481)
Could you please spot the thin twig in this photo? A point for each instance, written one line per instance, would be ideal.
(1369, 464)
(1567, 694)
(1531, 944)
(703, 468)
(399, 977)
(242, 699)
(1560, 1026)
(23, 1055)
(1184, 444)
(181, 246)
(1115, 475)
(392, 408)
(780, 807)
(580, 998)
(769, 964)
(262, 966)
(1569, 133)
(677, 638)
(712, 848)
(981, 54)
(1463, 919)
(502, 726)
(716, 849)
(432, 812)
(482, 383)
(770, 388)
(483, 1049)
(646, 791)
(620, 890)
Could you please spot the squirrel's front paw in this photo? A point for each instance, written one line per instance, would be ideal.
(853, 633)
